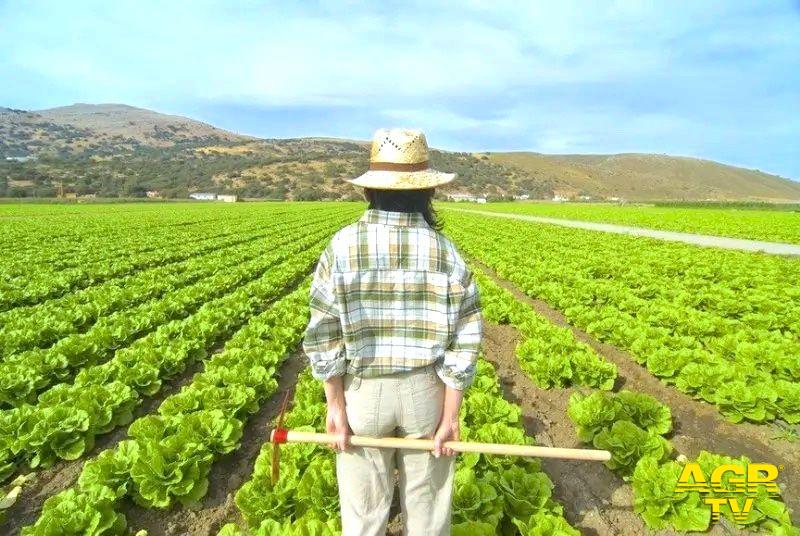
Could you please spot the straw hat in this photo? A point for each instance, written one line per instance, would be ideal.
(399, 161)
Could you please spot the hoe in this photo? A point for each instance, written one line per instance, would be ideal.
(279, 435)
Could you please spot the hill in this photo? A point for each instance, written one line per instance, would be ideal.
(653, 176)
(100, 128)
(146, 126)
(112, 150)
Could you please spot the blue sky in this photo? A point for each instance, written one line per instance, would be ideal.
(718, 80)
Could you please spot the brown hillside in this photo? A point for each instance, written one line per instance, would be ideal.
(651, 176)
(137, 123)
(115, 149)
(100, 128)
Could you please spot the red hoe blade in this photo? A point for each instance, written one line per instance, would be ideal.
(278, 436)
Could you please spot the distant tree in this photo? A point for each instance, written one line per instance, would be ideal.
(177, 192)
(308, 194)
(332, 169)
(352, 196)
(44, 191)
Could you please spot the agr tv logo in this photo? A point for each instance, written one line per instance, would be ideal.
(733, 485)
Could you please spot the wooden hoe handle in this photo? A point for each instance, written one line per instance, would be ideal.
(291, 436)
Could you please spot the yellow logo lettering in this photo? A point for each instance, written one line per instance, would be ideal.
(762, 474)
(692, 479)
(720, 471)
(726, 481)
(716, 503)
(740, 513)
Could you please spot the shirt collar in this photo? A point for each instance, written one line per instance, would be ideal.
(397, 219)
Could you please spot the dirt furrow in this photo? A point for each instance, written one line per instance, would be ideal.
(595, 500)
(63, 474)
(697, 425)
(227, 475)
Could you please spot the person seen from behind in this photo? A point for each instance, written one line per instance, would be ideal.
(394, 335)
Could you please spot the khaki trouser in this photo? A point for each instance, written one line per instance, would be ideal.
(409, 405)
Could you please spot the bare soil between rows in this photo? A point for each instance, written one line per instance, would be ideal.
(64, 474)
(595, 499)
(48, 482)
(227, 475)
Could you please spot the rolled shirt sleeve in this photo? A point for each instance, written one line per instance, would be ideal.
(323, 342)
(458, 366)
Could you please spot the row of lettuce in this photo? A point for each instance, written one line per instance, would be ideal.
(168, 455)
(45, 282)
(43, 267)
(25, 375)
(770, 225)
(632, 426)
(492, 494)
(84, 238)
(64, 420)
(81, 235)
(47, 322)
(721, 326)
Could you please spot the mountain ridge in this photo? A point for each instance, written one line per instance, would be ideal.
(655, 176)
(128, 144)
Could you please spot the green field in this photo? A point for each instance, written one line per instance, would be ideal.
(144, 349)
(768, 225)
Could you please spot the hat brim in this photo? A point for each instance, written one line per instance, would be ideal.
(403, 180)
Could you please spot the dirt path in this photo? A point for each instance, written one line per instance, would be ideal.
(227, 475)
(774, 248)
(595, 500)
(697, 426)
(64, 474)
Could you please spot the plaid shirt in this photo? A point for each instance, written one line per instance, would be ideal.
(391, 294)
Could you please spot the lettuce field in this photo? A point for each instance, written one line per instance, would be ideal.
(736, 222)
(145, 349)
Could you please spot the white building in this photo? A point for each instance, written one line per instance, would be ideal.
(227, 198)
(203, 196)
(564, 194)
(466, 197)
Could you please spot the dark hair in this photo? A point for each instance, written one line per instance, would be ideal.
(405, 201)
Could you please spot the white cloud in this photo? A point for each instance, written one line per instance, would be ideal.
(566, 76)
